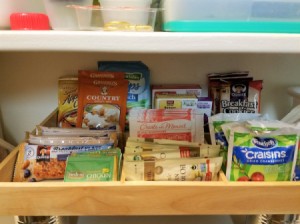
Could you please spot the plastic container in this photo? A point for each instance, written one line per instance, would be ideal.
(14, 6)
(29, 21)
(125, 3)
(232, 16)
(294, 92)
(115, 19)
(61, 16)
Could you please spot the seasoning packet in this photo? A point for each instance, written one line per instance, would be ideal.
(39, 162)
(217, 135)
(67, 101)
(138, 76)
(174, 124)
(183, 169)
(87, 168)
(201, 150)
(181, 152)
(102, 102)
(262, 156)
(116, 152)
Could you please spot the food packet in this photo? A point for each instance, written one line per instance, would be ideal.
(184, 169)
(215, 81)
(182, 152)
(67, 101)
(202, 150)
(72, 140)
(173, 124)
(82, 132)
(267, 127)
(138, 76)
(241, 97)
(87, 168)
(39, 162)
(102, 102)
(106, 152)
(133, 140)
(256, 156)
(217, 135)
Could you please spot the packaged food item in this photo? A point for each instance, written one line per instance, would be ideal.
(181, 152)
(216, 80)
(138, 76)
(241, 97)
(198, 150)
(116, 152)
(72, 140)
(67, 101)
(82, 132)
(217, 135)
(262, 156)
(184, 169)
(87, 168)
(40, 162)
(204, 104)
(166, 89)
(174, 124)
(175, 101)
(102, 102)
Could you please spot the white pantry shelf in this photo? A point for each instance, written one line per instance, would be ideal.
(148, 42)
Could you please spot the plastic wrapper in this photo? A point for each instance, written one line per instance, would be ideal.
(256, 156)
(91, 169)
(40, 162)
(184, 169)
(71, 140)
(173, 124)
(102, 101)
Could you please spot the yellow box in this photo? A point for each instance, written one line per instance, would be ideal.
(175, 101)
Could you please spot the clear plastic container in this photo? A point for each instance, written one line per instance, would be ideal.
(61, 16)
(125, 3)
(115, 19)
(279, 16)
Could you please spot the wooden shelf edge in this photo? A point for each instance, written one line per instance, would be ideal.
(147, 199)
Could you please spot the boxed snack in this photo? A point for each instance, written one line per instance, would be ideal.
(175, 101)
(175, 89)
(67, 101)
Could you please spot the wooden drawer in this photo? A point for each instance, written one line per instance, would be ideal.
(143, 198)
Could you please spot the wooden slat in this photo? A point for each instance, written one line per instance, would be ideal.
(7, 166)
(164, 198)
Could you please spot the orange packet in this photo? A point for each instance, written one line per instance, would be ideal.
(102, 101)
